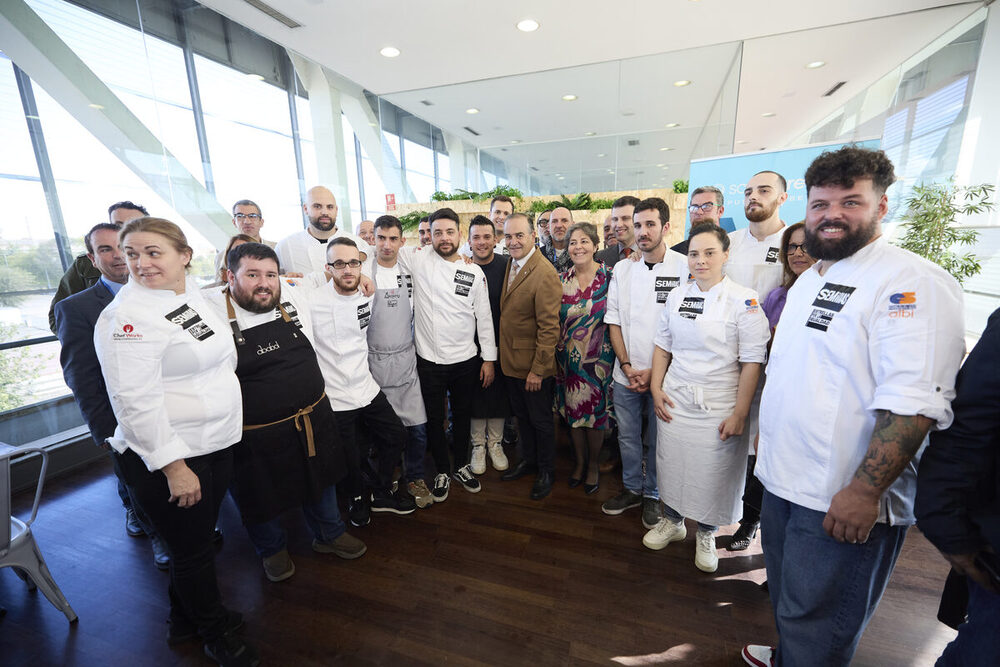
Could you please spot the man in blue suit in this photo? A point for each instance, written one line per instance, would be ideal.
(75, 319)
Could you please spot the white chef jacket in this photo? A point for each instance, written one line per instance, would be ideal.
(304, 253)
(342, 348)
(881, 330)
(295, 297)
(755, 264)
(451, 307)
(710, 333)
(169, 364)
(636, 297)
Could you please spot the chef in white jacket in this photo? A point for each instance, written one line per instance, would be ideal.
(169, 364)
(305, 252)
(710, 344)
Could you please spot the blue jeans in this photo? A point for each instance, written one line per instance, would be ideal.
(323, 519)
(414, 452)
(628, 411)
(978, 640)
(823, 592)
(676, 517)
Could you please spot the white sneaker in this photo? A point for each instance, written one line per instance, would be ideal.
(478, 462)
(663, 533)
(757, 655)
(705, 558)
(497, 457)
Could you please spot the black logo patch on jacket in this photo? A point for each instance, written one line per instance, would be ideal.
(829, 301)
(463, 282)
(772, 256)
(188, 319)
(364, 314)
(692, 307)
(663, 285)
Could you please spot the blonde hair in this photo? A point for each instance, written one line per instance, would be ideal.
(164, 228)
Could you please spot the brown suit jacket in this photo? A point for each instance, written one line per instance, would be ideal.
(529, 319)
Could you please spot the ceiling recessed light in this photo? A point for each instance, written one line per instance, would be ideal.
(515, 141)
(672, 124)
(562, 178)
(589, 134)
(682, 83)
(742, 141)
(471, 110)
(389, 51)
(602, 155)
(96, 106)
(527, 25)
(816, 64)
(665, 148)
(768, 114)
(611, 171)
(568, 98)
(661, 165)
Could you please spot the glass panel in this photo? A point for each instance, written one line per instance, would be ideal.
(29, 374)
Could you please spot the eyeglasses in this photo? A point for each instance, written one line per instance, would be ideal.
(705, 208)
(243, 216)
(795, 247)
(340, 264)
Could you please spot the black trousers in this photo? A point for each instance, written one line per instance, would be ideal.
(384, 430)
(533, 410)
(753, 494)
(437, 381)
(188, 533)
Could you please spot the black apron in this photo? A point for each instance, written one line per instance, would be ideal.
(289, 452)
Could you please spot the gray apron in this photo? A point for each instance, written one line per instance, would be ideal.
(392, 356)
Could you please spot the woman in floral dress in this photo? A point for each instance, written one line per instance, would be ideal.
(584, 354)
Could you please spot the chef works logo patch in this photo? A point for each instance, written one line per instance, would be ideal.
(772, 256)
(128, 333)
(903, 304)
(663, 285)
(463, 282)
(829, 301)
(189, 320)
(364, 314)
(692, 307)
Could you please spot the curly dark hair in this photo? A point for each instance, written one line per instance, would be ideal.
(844, 166)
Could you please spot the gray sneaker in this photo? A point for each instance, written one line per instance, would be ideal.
(279, 566)
(623, 501)
(346, 546)
(651, 512)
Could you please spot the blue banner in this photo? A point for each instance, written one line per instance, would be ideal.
(731, 173)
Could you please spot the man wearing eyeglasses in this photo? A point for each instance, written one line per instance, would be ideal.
(247, 219)
(706, 206)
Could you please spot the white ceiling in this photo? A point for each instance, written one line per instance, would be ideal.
(620, 59)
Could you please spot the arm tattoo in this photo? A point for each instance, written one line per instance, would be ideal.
(895, 439)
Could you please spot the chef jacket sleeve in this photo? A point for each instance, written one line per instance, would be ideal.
(611, 315)
(916, 343)
(484, 319)
(132, 369)
(663, 339)
(752, 329)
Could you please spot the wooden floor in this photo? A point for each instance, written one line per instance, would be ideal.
(486, 579)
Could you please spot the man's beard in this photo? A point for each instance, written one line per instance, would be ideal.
(321, 225)
(761, 213)
(846, 246)
(247, 302)
(446, 255)
(342, 283)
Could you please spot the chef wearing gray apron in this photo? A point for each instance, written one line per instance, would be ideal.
(289, 454)
(392, 359)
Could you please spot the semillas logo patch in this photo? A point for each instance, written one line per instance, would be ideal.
(829, 301)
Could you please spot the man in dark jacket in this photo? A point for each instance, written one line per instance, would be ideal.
(958, 504)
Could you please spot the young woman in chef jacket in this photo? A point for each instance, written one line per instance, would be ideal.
(709, 347)
(169, 363)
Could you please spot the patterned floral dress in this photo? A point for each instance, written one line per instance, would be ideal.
(584, 352)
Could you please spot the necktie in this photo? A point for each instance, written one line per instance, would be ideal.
(628, 252)
(514, 268)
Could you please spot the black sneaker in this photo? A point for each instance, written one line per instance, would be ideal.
(441, 484)
(182, 630)
(231, 651)
(359, 511)
(465, 477)
(395, 502)
(623, 501)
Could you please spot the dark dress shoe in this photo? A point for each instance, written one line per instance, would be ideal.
(542, 486)
(591, 489)
(132, 525)
(743, 537)
(217, 537)
(520, 470)
(574, 482)
(161, 555)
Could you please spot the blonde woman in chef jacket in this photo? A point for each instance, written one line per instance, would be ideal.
(709, 347)
(169, 364)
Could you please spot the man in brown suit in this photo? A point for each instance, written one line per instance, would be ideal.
(529, 330)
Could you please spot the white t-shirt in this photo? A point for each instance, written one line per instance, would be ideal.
(755, 264)
(710, 333)
(451, 307)
(882, 330)
(393, 277)
(636, 297)
(169, 363)
(342, 347)
(302, 252)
